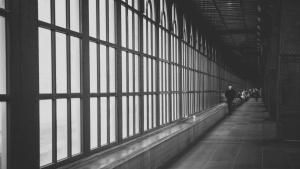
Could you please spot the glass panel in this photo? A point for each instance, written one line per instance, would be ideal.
(45, 72)
(75, 15)
(94, 122)
(130, 39)
(124, 116)
(60, 13)
(136, 31)
(45, 132)
(76, 125)
(145, 113)
(112, 21)
(3, 135)
(102, 19)
(137, 114)
(124, 26)
(103, 109)
(2, 56)
(131, 115)
(137, 70)
(93, 68)
(154, 110)
(112, 70)
(145, 36)
(124, 72)
(145, 75)
(75, 65)
(150, 111)
(130, 73)
(92, 18)
(62, 129)
(103, 69)
(150, 75)
(61, 63)
(112, 119)
(44, 8)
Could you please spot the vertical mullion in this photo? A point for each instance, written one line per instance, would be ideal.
(97, 19)
(54, 131)
(68, 14)
(69, 127)
(107, 18)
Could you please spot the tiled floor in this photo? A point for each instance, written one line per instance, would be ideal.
(243, 140)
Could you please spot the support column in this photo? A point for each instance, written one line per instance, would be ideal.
(288, 83)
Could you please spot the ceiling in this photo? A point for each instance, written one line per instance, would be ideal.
(234, 22)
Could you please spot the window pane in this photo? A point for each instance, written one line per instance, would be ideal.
(103, 69)
(61, 63)
(102, 19)
(150, 111)
(76, 125)
(136, 31)
(45, 75)
(130, 35)
(3, 135)
(149, 75)
(62, 129)
(92, 18)
(124, 26)
(44, 10)
(137, 114)
(130, 73)
(75, 65)
(136, 71)
(145, 113)
(124, 116)
(124, 72)
(94, 122)
(60, 13)
(112, 119)
(103, 108)
(93, 68)
(2, 56)
(45, 132)
(112, 70)
(112, 21)
(131, 115)
(75, 15)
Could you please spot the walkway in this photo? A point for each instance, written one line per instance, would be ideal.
(241, 141)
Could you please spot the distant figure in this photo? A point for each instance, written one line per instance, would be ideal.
(257, 95)
(230, 94)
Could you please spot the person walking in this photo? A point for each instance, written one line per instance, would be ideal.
(257, 95)
(230, 94)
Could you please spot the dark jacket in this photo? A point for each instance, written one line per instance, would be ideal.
(230, 94)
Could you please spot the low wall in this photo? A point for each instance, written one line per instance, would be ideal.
(156, 149)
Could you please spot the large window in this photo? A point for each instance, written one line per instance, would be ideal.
(149, 66)
(130, 29)
(102, 72)
(60, 88)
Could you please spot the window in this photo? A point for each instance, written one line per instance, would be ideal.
(60, 88)
(102, 20)
(131, 101)
(174, 67)
(149, 67)
(164, 65)
(3, 86)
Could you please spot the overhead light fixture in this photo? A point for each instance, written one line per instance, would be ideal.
(258, 27)
(258, 18)
(258, 8)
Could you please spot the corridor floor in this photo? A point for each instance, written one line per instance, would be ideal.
(243, 140)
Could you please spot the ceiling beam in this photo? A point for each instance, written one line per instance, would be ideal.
(219, 12)
(237, 31)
